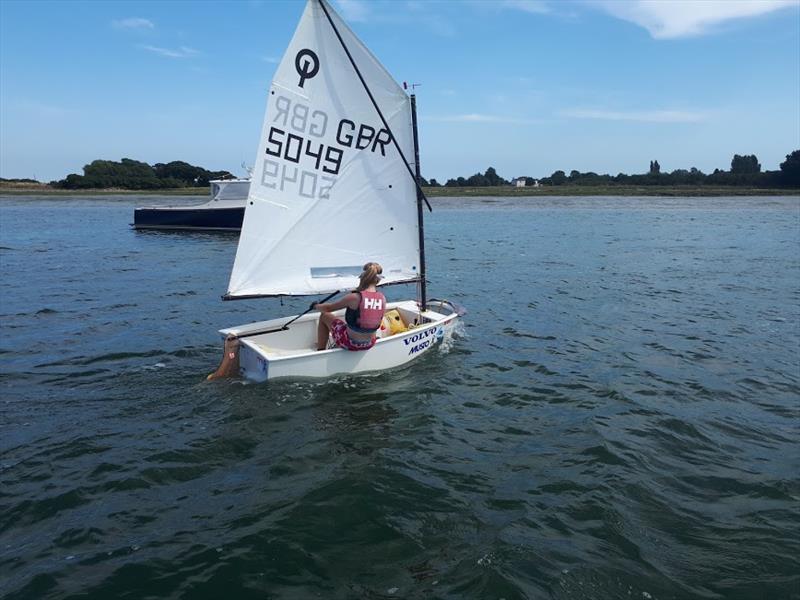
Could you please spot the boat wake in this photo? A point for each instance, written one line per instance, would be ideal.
(459, 331)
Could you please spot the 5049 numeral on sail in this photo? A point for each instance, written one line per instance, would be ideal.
(308, 183)
(293, 147)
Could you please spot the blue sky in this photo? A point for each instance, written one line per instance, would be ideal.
(526, 86)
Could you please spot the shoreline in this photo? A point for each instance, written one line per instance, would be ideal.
(438, 192)
(48, 191)
(624, 191)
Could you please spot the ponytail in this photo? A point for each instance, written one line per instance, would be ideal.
(371, 275)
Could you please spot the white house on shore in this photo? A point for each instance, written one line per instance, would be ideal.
(523, 181)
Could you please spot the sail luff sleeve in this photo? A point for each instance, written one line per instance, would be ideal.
(375, 104)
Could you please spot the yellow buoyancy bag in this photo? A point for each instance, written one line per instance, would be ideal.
(394, 322)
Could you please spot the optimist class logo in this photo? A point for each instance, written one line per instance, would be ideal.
(307, 65)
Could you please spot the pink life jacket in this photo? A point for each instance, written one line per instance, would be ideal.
(367, 317)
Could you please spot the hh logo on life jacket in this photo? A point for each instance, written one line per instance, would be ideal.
(373, 303)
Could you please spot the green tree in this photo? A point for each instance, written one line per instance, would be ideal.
(743, 165)
(790, 169)
(190, 175)
(136, 175)
(492, 178)
(478, 180)
(558, 178)
(179, 170)
(590, 178)
(460, 182)
(655, 168)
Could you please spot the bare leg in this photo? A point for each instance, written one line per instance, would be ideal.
(324, 329)
(229, 367)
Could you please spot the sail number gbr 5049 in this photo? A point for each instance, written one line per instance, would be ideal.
(297, 137)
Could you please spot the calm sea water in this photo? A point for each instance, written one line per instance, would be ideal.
(618, 417)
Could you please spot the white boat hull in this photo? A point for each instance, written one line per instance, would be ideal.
(277, 353)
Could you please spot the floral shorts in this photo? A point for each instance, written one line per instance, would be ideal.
(339, 334)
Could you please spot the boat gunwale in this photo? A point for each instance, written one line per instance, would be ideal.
(312, 352)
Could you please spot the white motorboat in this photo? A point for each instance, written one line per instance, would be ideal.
(224, 211)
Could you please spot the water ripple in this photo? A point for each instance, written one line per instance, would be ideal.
(615, 419)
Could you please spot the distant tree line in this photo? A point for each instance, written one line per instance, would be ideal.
(745, 171)
(131, 174)
(488, 179)
(24, 180)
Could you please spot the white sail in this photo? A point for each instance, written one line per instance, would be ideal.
(329, 190)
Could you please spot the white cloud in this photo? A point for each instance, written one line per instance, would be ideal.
(43, 110)
(440, 26)
(478, 118)
(271, 60)
(422, 14)
(182, 52)
(538, 7)
(353, 10)
(133, 23)
(646, 116)
(416, 13)
(682, 18)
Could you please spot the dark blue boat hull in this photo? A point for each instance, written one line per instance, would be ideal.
(222, 219)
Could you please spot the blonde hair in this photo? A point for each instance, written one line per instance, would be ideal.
(369, 276)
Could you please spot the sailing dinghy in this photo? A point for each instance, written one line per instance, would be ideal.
(333, 189)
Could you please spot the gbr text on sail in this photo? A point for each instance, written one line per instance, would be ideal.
(306, 149)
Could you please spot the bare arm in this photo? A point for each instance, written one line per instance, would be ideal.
(350, 300)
